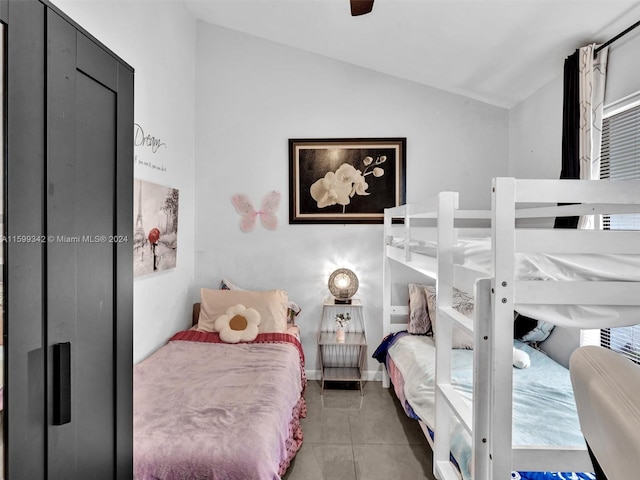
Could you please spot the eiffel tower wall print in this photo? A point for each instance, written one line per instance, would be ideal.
(155, 237)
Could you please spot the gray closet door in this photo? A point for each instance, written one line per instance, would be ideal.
(83, 115)
(69, 299)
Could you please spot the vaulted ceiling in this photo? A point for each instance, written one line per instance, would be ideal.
(499, 52)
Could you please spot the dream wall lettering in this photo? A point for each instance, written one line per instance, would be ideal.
(145, 142)
(142, 140)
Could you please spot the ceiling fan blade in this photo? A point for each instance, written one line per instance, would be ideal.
(360, 7)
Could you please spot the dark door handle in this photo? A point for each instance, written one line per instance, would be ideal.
(61, 383)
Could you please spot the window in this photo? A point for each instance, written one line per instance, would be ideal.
(620, 160)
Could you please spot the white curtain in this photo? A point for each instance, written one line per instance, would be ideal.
(592, 76)
(593, 73)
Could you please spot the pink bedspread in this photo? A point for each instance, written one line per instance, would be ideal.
(210, 410)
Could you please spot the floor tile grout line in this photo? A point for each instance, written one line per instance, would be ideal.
(353, 452)
(355, 465)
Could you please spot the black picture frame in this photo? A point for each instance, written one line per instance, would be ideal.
(345, 180)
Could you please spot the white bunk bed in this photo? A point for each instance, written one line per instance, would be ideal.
(426, 237)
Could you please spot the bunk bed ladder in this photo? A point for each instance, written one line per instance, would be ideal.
(475, 419)
(448, 400)
(501, 327)
(480, 438)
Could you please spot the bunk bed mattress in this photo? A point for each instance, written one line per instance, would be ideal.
(206, 409)
(544, 411)
(475, 253)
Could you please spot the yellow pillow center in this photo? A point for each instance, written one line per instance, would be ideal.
(238, 322)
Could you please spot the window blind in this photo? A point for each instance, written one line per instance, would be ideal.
(624, 340)
(620, 160)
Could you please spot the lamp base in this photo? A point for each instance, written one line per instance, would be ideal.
(342, 302)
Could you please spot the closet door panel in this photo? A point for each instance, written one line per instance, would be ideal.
(81, 166)
(124, 275)
(95, 361)
(62, 262)
(24, 387)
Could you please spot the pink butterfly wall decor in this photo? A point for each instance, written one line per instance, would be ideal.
(267, 211)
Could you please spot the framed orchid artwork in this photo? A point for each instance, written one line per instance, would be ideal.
(345, 180)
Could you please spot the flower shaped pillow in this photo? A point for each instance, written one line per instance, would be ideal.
(238, 324)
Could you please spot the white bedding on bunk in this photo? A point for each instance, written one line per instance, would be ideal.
(544, 411)
(475, 253)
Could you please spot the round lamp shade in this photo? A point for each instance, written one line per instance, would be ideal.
(343, 284)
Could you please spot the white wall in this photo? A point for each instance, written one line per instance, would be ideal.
(623, 71)
(535, 134)
(535, 140)
(158, 41)
(253, 95)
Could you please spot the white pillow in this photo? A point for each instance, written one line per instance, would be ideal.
(238, 324)
(521, 359)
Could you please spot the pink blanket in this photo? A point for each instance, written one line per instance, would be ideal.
(204, 409)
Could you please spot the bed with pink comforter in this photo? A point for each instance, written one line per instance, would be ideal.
(204, 409)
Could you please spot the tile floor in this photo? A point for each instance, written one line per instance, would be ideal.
(353, 437)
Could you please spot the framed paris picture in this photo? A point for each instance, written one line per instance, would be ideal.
(155, 237)
(345, 180)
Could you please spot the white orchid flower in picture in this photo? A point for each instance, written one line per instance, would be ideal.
(345, 180)
(248, 214)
